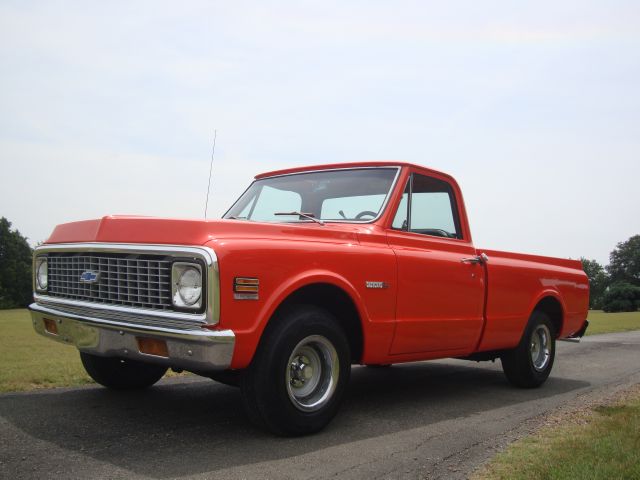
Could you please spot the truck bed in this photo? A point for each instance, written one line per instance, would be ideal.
(517, 282)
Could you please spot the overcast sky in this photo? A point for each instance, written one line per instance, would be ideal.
(110, 107)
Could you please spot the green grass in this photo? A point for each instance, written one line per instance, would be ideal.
(604, 446)
(29, 361)
(601, 322)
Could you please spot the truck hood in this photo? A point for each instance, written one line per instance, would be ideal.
(150, 230)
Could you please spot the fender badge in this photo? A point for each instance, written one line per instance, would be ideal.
(376, 284)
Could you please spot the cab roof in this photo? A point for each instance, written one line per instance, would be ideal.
(335, 166)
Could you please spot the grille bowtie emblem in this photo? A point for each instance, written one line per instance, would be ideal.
(89, 276)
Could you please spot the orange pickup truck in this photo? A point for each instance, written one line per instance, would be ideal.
(310, 271)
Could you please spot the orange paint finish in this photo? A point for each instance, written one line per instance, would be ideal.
(430, 310)
(347, 265)
(517, 282)
(130, 229)
(421, 302)
(335, 166)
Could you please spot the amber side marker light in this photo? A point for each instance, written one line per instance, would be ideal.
(246, 285)
(246, 288)
(152, 346)
(50, 326)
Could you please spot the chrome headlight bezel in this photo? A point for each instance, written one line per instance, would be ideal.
(41, 278)
(179, 298)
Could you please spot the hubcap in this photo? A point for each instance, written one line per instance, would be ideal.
(312, 373)
(540, 347)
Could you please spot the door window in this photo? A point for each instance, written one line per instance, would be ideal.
(428, 207)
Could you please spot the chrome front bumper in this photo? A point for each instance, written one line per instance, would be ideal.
(196, 349)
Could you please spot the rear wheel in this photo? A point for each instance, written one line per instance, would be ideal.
(530, 363)
(299, 373)
(121, 374)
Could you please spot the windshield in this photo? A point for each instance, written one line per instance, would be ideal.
(354, 195)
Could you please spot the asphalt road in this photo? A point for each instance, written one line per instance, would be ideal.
(423, 420)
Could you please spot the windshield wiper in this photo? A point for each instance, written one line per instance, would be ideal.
(309, 216)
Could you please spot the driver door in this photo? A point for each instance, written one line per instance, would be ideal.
(440, 298)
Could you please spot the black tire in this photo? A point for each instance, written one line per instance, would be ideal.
(530, 363)
(298, 376)
(121, 374)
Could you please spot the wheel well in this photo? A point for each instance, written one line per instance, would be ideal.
(553, 309)
(337, 302)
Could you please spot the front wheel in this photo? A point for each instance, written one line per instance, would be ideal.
(530, 363)
(121, 374)
(299, 373)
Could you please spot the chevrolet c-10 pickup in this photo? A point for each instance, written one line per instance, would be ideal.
(310, 271)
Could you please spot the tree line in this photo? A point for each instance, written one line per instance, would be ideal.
(15, 267)
(613, 288)
(616, 287)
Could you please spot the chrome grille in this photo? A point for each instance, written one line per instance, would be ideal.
(123, 279)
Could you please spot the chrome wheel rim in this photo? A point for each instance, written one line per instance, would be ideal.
(541, 347)
(312, 373)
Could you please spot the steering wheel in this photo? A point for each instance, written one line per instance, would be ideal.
(366, 213)
(438, 232)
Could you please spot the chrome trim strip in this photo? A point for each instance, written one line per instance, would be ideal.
(134, 315)
(211, 315)
(198, 349)
(359, 222)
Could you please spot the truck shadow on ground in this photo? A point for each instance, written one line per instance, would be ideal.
(186, 428)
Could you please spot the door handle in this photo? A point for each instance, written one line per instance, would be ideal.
(482, 258)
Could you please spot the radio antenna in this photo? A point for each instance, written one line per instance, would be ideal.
(213, 152)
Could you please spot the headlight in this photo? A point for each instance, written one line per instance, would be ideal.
(41, 274)
(187, 285)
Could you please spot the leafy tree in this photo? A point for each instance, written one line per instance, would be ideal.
(598, 281)
(624, 262)
(15, 267)
(621, 297)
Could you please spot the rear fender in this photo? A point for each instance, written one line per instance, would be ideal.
(546, 293)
